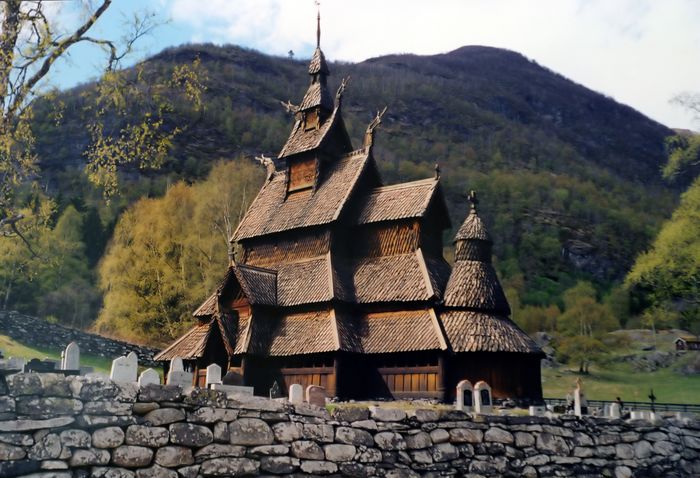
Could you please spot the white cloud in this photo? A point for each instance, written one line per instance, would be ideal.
(641, 52)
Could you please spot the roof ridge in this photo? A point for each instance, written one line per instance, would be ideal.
(257, 268)
(409, 184)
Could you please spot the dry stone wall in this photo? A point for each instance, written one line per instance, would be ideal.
(43, 334)
(55, 426)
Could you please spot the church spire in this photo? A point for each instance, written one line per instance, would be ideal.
(318, 25)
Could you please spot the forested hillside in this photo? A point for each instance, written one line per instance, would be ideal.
(569, 180)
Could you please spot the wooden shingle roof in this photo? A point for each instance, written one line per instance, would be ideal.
(318, 63)
(304, 282)
(400, 277)
(469, 331)
(397, 201)
(189, 346)
(473, 228)
(292, 334)
(401, 331)
(273, 212)
(317, 95)
(301, 139)
(474, 285)
(259, 286)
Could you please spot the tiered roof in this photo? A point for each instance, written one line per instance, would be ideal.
(310, 298)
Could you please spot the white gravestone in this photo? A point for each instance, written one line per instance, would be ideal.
(123, 370)
(133, 358)
(537, 410)
(176, 365)
(483, 402)
(637, 415)
(615, 411)
(177, 374)
(16, 363)
(71, 357)
(464, 396)
(296, 393)
(213, 375)
(578, 397)
(149, 376)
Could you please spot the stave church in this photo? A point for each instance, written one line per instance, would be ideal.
(342, 282)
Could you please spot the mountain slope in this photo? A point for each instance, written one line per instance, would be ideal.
(569, 179)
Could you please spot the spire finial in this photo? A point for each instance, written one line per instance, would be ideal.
(318, 24)
(473, 200)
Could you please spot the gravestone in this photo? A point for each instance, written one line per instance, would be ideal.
(637, 415)
(606, 409)
(38, 366)
(177, 375)
(296, 393)
(464, 396)
(316, 395)
(149, 376)
(213, 375)
(232, 378)
(482, 398)
(16, 363)
(124, 370)
(275, 391)
(580, 402)
(176, 365)
(615, 411)
(71, 357)
(133, 359)
(537, 410)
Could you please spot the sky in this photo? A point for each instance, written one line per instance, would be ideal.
(639, 52)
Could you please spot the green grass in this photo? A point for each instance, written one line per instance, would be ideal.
(620, 379)
(12, 348)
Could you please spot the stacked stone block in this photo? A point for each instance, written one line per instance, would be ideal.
(60, 427)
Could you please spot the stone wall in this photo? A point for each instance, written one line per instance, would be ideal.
(55, 426)
(40, 333)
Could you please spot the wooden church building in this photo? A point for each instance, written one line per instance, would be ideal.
(342, 282)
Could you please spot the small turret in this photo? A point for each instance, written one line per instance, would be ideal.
(473, 284)
(473, 242)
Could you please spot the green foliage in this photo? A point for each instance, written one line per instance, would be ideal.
(167, 254)
(537, 319)
(684, 156)
(668, 275)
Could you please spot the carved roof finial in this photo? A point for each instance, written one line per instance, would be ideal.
(341, 89)
(318, 24)
(269, 165)
(473, 201)
(369, 132)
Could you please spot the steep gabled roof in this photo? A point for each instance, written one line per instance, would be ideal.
(301, 140)
(398, 201)
(304, 282)
(272, 211)
(258, 285)
(473, 228)
(469, 331)
(190, 345)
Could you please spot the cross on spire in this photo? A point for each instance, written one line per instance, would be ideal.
(473, 200)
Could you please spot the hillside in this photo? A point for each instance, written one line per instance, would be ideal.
(569, 179)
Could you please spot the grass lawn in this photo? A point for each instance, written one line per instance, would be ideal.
(11, 348)
(621, 380)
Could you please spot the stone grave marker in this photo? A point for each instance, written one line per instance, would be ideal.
(36, 365)
(71, 357)
(16, 363)
(275, 391)
(149, 376)
(133, 359)
(316, 395)
(465, 396)
(124, 370)
(213, 375)
(296, 393)
(580, 402)
(482, 398)
(537, 410)
(615, 411)
(177, 374)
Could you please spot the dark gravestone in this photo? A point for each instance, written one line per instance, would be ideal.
(232, 378)
(39, 366)
(275, 391)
